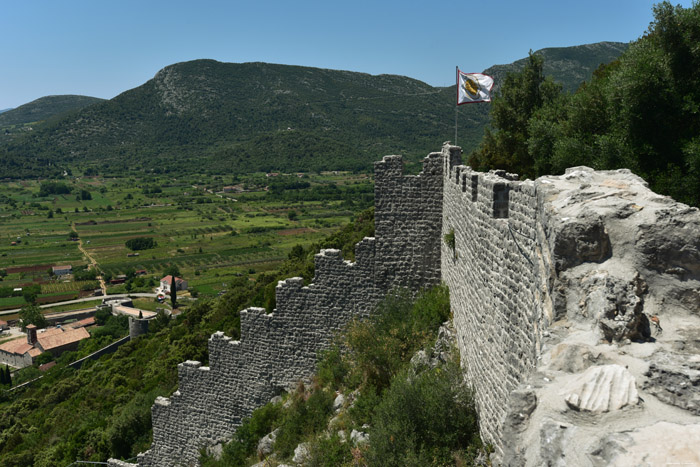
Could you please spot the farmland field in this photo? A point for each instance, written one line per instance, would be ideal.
(212, 236)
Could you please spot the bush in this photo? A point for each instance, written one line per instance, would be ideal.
(381, 345)
(329, 452)
(141, 243)
(423, 420)
(305, 417)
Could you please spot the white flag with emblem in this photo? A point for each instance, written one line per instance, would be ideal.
(473, 87)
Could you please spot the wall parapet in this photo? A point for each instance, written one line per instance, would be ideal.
(278, 349)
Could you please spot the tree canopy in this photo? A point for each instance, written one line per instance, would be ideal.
(640, 112)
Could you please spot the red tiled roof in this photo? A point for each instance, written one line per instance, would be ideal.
(82, 323)
(17, 346)
(59, 340)
(34, 352)
(47, 366)
(169, 279)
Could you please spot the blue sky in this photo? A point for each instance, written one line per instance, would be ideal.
(103, 48)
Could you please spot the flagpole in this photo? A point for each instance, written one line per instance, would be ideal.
(457, 73)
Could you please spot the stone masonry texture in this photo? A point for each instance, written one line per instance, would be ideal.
(279, 349)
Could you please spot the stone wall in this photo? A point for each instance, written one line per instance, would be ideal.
(557, 281)
(547, 278)
(279, 349)
(496, 273)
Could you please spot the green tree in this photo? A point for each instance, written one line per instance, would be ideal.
(31, 314)
(521, 94)
(141, 243)
(173, 292)
(641, 112)
(173, 270)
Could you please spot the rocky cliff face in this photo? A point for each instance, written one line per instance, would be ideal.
(616, 379)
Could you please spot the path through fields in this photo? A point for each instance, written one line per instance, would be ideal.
(93, 263)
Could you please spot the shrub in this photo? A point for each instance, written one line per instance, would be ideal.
(381, 345)
(141, 243)
(423, 420)
(305, 417)
(329, 452)
(450, 239)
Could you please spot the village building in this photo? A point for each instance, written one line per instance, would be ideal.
(180, 284)
(21, 353)
(62, 270)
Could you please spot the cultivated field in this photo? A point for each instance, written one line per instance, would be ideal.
(211, 235)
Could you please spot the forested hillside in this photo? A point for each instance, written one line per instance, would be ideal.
(43, 109)
(260, 117)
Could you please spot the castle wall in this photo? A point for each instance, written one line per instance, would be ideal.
(497, 276)
(525, 254)
(279, 349)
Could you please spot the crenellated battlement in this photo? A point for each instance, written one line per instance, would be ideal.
(515, 245)
(278, 349)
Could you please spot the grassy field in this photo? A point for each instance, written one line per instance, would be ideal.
(210, 235)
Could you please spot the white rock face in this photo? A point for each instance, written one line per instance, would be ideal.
(663, 443)
(359, 437)
(338, 403)
(266, 444)
(603, 389)
(301, 453)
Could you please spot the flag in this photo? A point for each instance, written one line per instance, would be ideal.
(473, 87)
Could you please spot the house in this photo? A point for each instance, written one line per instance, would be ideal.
(3, 326)
(180, 284)
(62, 270)
(83, 323)
(21, 352)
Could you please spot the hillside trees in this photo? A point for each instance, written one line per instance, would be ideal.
(520, 96)
(31, 314)
(640, 112)
(141, 243)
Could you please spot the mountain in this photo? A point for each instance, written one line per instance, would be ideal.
(5, 110)
(569, 66)
(205, 115)
(44, 108)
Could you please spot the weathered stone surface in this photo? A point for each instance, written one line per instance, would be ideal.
(573, 358)
(660, 444)
(520, 406)
(301, 453)
(671, 243)
(554, 440)
(617, 305)
(359, 437)
(675, 379)
(579, 240)
(602, 389)
(266, 444)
